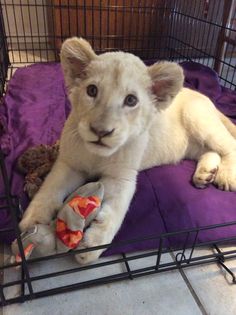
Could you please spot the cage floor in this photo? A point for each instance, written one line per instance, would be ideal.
(197, 290)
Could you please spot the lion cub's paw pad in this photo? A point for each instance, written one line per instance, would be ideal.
(87, 257)
(203, 177)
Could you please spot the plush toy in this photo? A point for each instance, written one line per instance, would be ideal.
(66, 231)
(35, 163)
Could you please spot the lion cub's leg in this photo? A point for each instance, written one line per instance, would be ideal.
(204, 124)
(118, 193)
(206, 170)
(61, 181)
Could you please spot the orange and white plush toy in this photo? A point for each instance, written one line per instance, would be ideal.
(66, 232)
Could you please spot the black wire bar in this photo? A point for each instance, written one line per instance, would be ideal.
(178, 30)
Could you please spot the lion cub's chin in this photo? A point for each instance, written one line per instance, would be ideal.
(100, 150)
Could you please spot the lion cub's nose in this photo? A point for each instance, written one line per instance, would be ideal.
(101, 133)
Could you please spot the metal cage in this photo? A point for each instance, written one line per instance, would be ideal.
(32, 31)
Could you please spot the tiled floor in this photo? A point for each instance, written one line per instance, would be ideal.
(196, 290)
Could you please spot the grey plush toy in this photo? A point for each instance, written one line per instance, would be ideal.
(66, 232)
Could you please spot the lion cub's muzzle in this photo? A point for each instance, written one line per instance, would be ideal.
(101, 132)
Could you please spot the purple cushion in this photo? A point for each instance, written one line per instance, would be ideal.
(182, 206)
(34, 110)
(143, 219)
(28, 118)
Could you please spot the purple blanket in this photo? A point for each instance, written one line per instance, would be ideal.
(33, 112)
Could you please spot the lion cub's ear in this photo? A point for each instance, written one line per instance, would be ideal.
(167, 78)
(76, 54)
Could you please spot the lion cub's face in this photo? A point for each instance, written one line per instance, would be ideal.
(112, 102)
(111, 94)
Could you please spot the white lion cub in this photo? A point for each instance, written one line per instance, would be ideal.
(127, 117)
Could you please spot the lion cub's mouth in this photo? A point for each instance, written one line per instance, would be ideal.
(99, 143)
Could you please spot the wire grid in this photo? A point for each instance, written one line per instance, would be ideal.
(36, 282)
(199, 30)
(206, 34)
(32, 31)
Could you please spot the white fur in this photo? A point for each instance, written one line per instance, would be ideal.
(169, 123)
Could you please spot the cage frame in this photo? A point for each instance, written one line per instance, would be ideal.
(181, 259)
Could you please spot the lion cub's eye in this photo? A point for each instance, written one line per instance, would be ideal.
(130, 100)
(92, 90)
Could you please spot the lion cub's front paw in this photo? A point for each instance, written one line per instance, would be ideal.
(34, 214)
(30, 220)
(99, 233)
(26, 223)
(94, 236)
(87, 257)
(204, 176)
(226, 177)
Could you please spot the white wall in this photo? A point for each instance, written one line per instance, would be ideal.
(24, 19)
